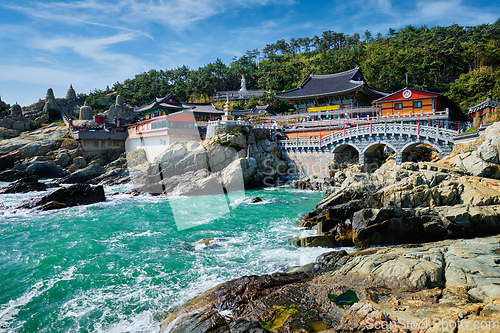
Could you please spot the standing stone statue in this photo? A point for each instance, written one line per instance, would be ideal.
(71, 94)
(50, 95)
(243, 83)
(50, 101)
(16, 111)
(117, 110)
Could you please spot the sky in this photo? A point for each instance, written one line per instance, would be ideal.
(94, 43)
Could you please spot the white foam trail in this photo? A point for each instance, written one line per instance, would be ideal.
(12, 308)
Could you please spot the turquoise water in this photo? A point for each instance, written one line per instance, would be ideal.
(118, 266)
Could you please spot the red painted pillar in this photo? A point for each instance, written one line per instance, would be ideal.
(418, 119)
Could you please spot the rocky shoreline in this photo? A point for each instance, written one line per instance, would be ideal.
(447, 286)
(443, 278)
(445, 215)
(232, 161)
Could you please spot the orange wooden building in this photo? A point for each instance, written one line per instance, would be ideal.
(412, 102)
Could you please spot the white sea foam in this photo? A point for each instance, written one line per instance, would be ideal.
(9, 310)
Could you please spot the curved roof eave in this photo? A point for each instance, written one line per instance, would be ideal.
(327, 94)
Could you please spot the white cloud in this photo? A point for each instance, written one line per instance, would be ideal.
(176, 14)
(453, 11)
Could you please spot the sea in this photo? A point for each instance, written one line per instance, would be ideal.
(123, 264)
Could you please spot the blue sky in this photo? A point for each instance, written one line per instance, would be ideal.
(94, 43)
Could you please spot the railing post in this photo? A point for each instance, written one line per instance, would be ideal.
(418, 117)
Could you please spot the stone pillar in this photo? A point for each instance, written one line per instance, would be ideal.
(399, 157)
(361, 158)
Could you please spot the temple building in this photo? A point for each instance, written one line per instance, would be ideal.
(483, 109)
(409, 102)
(332, 94)
(169, 104)
(155, 133)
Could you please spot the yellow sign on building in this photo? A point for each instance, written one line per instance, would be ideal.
(324, 108)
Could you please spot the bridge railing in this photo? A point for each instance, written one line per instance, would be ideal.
(374, 129)
(273, 126)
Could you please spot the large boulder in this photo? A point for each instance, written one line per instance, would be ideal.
(36, 143)
(84, 175)
(489, 149)
(24, 185)
(394, 225)
(113, 177)
(7, 133)
(238, 174)
(46, 169)
(389, 289)
(474, 164)
(73, 195)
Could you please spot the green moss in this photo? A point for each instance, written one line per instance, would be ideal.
(283, 313)
(347, 298)
(470, 130)
(228, 144)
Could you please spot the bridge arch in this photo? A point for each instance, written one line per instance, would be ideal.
(406, 150)
(368, 154)
(345, 151)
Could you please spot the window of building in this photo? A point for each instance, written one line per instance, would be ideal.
(398, 106)
(417, 104)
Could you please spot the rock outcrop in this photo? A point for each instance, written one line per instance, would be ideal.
(482, 162)
(410, 203)
(227, 162)
(84, 175)
(427, 287)
(79, 194)
(24, 185)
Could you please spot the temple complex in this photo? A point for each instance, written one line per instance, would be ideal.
(169, 104)
(409, 102)
(156, 133)
(333, 94)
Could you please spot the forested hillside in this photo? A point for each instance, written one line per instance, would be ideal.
(463, 62)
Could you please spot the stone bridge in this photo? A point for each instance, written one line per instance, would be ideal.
(311, 156)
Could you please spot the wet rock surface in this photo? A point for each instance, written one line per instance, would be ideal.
(78, 194)
(430, 284)
(24, 185)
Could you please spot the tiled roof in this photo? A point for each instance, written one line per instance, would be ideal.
(202, 108)
(159, 102)
(487, 103)
(324, 85)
